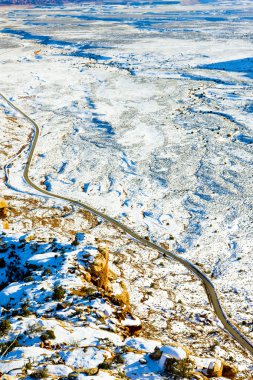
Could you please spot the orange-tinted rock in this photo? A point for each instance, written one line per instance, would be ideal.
(99, 269)
(229, 370)
(5, 225)
(215, 369)
(120, 297)
(198, 376)
(3, 208)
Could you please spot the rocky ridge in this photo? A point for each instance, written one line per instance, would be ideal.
(66, 315)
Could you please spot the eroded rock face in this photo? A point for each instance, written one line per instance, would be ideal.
(99, 269)
(120, 295)
(99, 274)
(3, 212)
(115, 289)
(3, 203)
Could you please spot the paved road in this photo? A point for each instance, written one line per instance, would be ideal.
(209, 287)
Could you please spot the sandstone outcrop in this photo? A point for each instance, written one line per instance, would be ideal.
(99, 270)
(3, 208)
(3, 212)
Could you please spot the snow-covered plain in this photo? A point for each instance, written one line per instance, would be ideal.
(145, 112)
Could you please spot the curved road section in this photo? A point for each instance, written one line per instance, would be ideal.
(209, 287)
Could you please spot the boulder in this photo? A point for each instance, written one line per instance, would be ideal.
(165, 353)
(210, 367)
(90, 371)
(133, 324)
(215, 368)
(229, 370)
(48, 344)
(156, 354)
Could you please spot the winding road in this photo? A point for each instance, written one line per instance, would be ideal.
(209, 287)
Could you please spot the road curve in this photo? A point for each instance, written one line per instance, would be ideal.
(209, 287)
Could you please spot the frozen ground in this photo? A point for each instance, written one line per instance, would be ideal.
(146, 113)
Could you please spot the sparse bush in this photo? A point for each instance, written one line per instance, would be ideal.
(63, 305)
(51, 334)
(2, 263)
(183, 368)
(34, 329)
(59, 293)
(118, 359)
(48, 334)
(7, 347)
(32, 266)
(105, 365)
(28, 279)
(40, 374)
(46, 272)
(5, 327)
(3, 285)
(25, 312)
(28, 365)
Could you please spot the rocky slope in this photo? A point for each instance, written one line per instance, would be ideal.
(66, 315)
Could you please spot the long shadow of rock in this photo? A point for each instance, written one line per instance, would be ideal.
(24, 263)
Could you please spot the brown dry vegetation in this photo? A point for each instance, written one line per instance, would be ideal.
(39, 214)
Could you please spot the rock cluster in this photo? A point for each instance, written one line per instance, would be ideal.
(99, 274)
(178, 361)
(68, 316)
